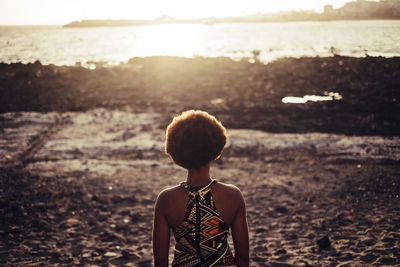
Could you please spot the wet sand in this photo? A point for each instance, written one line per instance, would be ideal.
(78, 188)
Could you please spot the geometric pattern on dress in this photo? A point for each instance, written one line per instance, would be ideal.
(202, 237)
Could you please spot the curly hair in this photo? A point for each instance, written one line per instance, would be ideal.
(195, 138)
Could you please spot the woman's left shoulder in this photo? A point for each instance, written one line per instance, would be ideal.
(228, 189)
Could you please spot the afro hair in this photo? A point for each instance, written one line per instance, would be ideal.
(195, 138)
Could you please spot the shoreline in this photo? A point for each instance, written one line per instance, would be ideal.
(301, 21)
(209, 21)
(243, 95)
(253, 57)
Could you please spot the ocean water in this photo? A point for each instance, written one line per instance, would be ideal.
(67, 46)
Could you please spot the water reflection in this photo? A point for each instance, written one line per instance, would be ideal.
(328, 96)
(262, 41)
(169, 39)
(217, 101)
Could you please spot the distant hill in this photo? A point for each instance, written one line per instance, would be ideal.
(116, 23)
(360, 9)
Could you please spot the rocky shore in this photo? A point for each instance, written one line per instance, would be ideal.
(242, 94)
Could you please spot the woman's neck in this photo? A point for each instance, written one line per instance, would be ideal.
(199, 177)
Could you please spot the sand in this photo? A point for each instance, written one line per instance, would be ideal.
(78, 188)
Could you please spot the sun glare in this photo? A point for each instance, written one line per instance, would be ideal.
(172, 39)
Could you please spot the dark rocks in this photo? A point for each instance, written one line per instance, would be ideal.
(281, 251)
(281, 209)
(260, 230)
(369, 258)
(129, 255)
(324, 243)
(387, 261)
(249, 95)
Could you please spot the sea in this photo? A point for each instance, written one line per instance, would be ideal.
(240, 41)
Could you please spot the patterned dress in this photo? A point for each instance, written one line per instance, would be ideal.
(202, 237)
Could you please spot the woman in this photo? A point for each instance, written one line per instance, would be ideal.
(200, 211)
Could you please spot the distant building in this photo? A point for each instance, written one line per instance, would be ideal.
(364, 9)
(357, 9)
(328, 10)
(394, 5)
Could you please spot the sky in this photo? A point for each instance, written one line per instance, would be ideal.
(39, 12)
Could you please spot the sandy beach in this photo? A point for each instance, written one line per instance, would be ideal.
(82, 161)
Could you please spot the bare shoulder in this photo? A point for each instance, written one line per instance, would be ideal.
(230, 190)
(170, 204)
(227, 187)
(228, 200)
(169, 193)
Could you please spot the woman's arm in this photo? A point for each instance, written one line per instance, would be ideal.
(160, 233)
(240, 233)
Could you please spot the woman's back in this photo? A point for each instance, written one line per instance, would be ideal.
(200, 219)
(226, 198)
(200, 211)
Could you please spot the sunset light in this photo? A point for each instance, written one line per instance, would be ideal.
(199, 133)
(172, 40)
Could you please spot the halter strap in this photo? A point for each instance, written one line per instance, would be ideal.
(198, 189)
